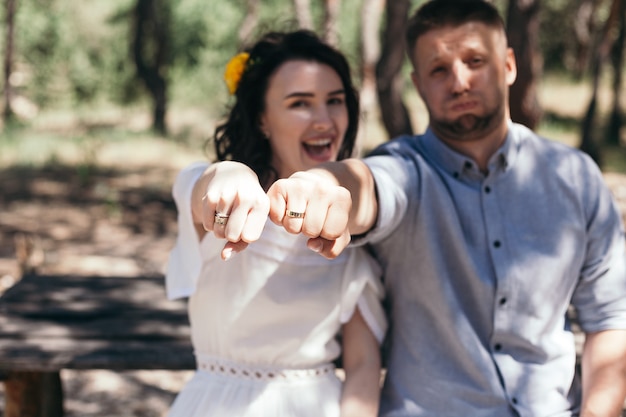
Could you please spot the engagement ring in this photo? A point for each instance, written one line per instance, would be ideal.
(221, 219)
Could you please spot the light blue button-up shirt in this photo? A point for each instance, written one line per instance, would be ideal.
(480, 271)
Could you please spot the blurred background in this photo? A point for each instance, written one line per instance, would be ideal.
(103, 101)
(79, 77)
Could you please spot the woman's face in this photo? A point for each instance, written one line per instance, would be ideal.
(305, 117)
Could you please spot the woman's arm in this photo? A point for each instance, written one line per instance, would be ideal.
(604, 374)
(361, 363)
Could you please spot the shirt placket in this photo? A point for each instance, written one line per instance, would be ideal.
(495, 221)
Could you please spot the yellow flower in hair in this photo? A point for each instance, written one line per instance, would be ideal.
(234, 70)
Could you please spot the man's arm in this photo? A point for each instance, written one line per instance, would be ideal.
(604, 374)
(338, 199)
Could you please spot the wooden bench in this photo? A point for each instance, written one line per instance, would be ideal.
(49, 323)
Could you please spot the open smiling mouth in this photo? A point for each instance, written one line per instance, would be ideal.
(317, 147)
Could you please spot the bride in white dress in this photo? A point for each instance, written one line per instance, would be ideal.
(268, 315)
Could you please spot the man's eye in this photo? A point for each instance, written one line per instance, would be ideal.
(438, 71)
(476, 61)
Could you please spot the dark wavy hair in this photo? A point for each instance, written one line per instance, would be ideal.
(239, 138)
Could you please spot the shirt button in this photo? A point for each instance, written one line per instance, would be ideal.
(487, 189)
(455, 174)
(514, 400)
(497, 347)
(502, 301)
(496, 244)
(468, 165)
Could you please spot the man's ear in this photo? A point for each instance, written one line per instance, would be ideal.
(510, 67)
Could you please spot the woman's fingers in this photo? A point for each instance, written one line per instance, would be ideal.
(305, 203)
(235, 206)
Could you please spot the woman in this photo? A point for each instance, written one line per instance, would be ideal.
(265, 323)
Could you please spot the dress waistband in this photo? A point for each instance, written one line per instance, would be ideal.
(260, 373)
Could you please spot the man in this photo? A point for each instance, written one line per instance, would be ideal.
(486, 232)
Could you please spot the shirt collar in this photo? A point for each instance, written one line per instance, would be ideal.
(460, 166)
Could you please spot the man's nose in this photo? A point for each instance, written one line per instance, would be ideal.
(461, 75)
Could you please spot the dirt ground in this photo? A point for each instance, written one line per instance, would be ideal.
(109, 222)
(103, 221)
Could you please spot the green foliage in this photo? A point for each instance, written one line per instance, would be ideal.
(37, 37)
(558, 40)
(67, 50)
(75, 53)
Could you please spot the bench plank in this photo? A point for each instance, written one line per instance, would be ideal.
(48, 323)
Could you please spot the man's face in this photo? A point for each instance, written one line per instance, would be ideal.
(463, 74)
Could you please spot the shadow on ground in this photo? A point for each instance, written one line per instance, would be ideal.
(86, 219)
(93, 221)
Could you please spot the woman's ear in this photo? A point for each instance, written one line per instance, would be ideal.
(263, 127)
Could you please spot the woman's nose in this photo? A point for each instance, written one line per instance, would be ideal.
(322, 118)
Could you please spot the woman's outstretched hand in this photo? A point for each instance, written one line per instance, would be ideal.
(230, 202)
(315, 206)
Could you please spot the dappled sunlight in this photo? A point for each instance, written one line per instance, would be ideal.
(94, 222)
(121, 394)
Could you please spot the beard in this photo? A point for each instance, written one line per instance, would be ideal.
(469, 127)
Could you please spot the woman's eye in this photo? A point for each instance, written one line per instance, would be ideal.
(297, 104)
(336, 101)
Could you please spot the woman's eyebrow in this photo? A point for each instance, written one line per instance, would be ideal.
(299, 94)
(307, 94)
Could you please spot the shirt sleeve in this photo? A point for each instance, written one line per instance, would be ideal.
(363, 289)
(185, 260)
(600, 296)
(395, 178)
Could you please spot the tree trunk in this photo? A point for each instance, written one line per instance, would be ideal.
(588, 143)
(617, 61)
(583, 28)
(523, 35)
(331, 13)
(7, 113)
(150, 52)
(389, 79)
(303, 13)
(371, 14)
(251, 20)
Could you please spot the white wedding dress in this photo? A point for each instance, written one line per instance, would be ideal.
(264, 324)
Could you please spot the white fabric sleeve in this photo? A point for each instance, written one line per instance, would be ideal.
(185, 260)
(363, 289)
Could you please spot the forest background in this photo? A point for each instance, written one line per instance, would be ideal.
(103, 101)
(100, 63)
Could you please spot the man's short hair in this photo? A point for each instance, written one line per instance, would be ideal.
(436, 14)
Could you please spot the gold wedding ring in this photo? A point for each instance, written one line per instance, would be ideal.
(221, 219)
(295, 214)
